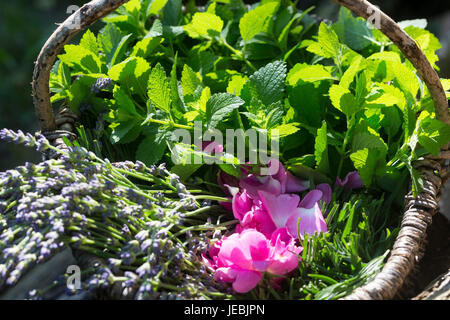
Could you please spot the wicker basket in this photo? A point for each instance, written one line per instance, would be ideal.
(418, 212)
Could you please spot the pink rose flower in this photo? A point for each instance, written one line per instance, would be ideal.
(285, 211)
(243, 257)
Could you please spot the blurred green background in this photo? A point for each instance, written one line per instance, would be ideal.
(25, 25)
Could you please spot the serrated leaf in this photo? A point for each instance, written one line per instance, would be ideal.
(219, 106)
(392, 120)
(88, 41)
(343, 100)
(386, 56)
(178, 106)
(268, 82)
(309, 101)
(274, 116)
(204, 25)
(132, 74)
(81, 59)
(416, 178)
(283, 37)
(112, 43)
(200, 105)
(133, 6)
(365, 161)
(152, 148)
(357, 64)
(428, 43)
(366, 137)
(255, 21)
(64, 75)
(156, 30)
(387, 96)
(352, 31)
(158, 89)
(328, 45)
(201, 59)
(80, 91)
(155, 6)
(236, 84)
(124, 102)
(189, 81)
(283, 130)
(321, 149)
(125, 132)
(379, 65)
(218, 80)
(308, 73)
(432, 134)
(406, 79)
(231, 169)
(146, 46)
(172, 12)
(263, 49)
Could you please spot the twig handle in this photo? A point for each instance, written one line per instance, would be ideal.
(409, 48)
(82, 18)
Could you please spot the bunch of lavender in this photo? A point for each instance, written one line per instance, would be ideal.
(141, 224)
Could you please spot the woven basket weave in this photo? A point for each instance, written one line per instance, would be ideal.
(418, 212)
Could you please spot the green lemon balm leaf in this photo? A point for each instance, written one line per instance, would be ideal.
(132, 73)
(308, 73)
(321, 149)
(284, 130)
(343, 100)
(112, 43)
(124, 101)
(328, 45)
(219, 106)
(155, 6)
(204, 25)
(352, 31)
(81, 59)
(151, 149)
(146, 46)
(89, 41)
(268, 82)
(158, 89)
(254, 21)
(189, 81)
(366, 161)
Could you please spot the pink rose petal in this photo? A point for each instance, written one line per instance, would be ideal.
(246, 280)
(294, 184)
(280, 208)
(252, 186)
(311, 198)
(241, 204)
(352, 181)
(326, 192)
(311, 220)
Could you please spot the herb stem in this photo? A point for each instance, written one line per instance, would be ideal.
(238, 53)
(344, 146)
(169, 123)
(207, 197)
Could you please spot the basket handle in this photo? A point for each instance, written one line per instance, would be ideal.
(82, 18)
(97, 9)
(409, 48)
